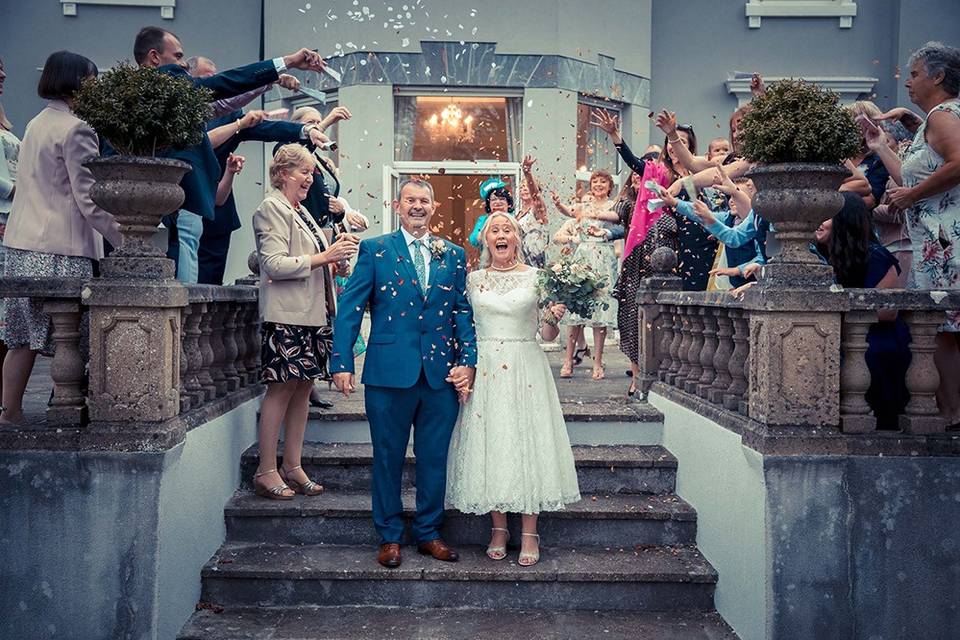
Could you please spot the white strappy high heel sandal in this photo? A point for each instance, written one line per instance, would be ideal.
(498, 553)
(527, 559)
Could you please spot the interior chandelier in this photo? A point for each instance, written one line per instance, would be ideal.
(450, 125)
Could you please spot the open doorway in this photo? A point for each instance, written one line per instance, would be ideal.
(456, 186)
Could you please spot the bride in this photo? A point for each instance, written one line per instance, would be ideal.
(510, 451)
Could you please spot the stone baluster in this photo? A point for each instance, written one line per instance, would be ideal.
(217, 312)
(921, 414)
(193, 355)
(693, 355)
(186, 401)
(205, 375)
(240, 335)
(69, 403)
(855, 414)
(738, 380)
(683, 350)
(721, 357)
(666, 339)
(230, 348)
(708, 351)
(744, 404)
(252, 326)
(676, 361)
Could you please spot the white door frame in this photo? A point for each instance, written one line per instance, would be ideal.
(450, 167)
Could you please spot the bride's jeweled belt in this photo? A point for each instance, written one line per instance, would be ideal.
(508, 339)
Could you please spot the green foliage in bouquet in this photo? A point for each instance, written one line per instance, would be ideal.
(574, 284)
(140, 110)
(796, 121)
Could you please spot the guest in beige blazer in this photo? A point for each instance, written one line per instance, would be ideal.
(54, 229)
(296, 309)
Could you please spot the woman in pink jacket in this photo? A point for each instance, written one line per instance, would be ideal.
(54, 229)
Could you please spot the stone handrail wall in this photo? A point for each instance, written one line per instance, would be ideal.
(62, 300)
(217, 333)
(220, 350)
(788, 358)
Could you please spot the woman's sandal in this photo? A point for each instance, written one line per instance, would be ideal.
(308, 488)
(566, 370)
(498, 553)
(579, 355)
(527, 559)
(598, 373)
(276, 492)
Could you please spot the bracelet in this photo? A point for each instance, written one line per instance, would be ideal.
(237, 132)
(673, 141)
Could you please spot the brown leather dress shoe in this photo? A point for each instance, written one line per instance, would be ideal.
(389, 555)
(439, 550)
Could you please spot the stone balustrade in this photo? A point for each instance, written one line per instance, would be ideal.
(216, 331)
(787, 359)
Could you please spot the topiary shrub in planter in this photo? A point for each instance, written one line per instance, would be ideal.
(799, 135)
(141, 111)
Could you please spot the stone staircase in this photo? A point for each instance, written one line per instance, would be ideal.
(620, 564)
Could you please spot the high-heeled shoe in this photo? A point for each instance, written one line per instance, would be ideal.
(527, 559)
(276, 492)
(632, 390)
(580, 354)
(566, 370)
(498, 553)
(308, 488)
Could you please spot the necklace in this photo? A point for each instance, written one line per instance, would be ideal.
(510, 268)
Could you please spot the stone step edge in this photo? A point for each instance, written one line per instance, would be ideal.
(358, 505)
(320, 453)
(503, 571)
(575, 411)
(259, 622)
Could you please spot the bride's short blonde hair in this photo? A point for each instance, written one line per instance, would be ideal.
(486, 256)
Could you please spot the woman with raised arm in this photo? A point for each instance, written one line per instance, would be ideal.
(586, 237)
(531, 216)
(930, 195)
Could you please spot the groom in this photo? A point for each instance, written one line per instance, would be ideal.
(421, 353)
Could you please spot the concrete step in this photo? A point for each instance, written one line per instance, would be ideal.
(590, 421)
(395, 623)
(600, 469)
(344, 517)
(645, 578)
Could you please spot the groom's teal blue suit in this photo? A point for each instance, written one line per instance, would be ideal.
(415, 340)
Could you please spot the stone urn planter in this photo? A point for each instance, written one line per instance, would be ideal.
(138, 191)
(796, 198)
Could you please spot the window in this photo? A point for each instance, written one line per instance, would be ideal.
(595, 150)
(457, 127)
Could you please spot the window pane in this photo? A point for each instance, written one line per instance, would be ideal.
(595, 150)
(435, 128)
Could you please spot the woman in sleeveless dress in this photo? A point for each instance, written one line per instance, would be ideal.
(518, 460)
(930, 196)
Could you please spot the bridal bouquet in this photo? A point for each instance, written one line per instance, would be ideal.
(574, 284)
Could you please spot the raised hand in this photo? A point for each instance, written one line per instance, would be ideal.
(703, 213)
(235, 163)
(608, 122)
(336, 115)
(723, 182)
(305, 59)
(901, 114)
(667, 122)
(252, 118)
(527, 164)
(317, 137)
(288, 81)
(757, 85)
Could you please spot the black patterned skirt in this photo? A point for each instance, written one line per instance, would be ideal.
(294, 352)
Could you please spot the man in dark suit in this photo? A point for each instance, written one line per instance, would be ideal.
(159, 48)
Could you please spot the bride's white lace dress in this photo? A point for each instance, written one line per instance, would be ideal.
(510, 450)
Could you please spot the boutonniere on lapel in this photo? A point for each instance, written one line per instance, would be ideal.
(437, 248)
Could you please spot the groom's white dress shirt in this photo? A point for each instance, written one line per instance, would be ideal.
(424, 251)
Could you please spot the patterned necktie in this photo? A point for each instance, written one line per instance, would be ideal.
(420, 266)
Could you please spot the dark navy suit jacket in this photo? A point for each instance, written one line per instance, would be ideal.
(409, 333)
